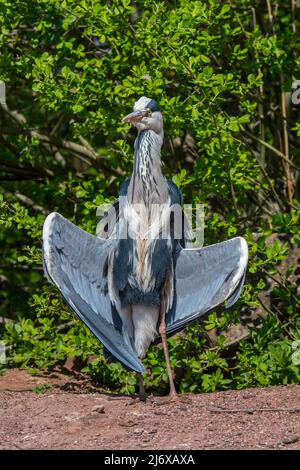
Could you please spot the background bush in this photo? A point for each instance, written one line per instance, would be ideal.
(223, 73)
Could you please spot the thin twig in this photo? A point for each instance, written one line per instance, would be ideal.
(30, 203)
(294, 16)
(260, 103)
(231, 343)
(270, 15)
(238, 19)
(264, 306)
(286, 164)
(254, 410)
(39, 413)
(281, 284)
(273, 149)
(79, 150)
(265, 174)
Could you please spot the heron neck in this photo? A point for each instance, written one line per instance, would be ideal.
(148, 181)
(147, 150)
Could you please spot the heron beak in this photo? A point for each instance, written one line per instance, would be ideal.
(136, 116)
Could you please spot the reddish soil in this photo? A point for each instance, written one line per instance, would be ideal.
(72, 414)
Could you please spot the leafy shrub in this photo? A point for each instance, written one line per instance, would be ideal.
(222, 73)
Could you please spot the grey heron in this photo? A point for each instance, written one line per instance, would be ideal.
(136, 289)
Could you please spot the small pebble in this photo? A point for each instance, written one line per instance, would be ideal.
(138, 431)
(98, 409)
(290, 440)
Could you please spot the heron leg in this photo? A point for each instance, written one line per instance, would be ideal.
(142, 396)
(142, 393)
(163, 334)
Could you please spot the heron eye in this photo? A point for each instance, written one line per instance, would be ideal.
(149, 112)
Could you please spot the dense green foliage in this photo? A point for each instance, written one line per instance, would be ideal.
(223, 75)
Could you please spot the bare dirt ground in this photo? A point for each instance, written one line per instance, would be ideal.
(72, 414)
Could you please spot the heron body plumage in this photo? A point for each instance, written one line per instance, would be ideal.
(149, 263)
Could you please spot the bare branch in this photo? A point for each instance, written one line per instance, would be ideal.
(273, 150)
(86, 152)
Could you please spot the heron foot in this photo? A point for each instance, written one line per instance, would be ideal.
(142, 397)
(133, 401)
(174, 399)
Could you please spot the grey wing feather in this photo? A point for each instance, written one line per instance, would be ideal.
(205, 278)
(107, 223)
(176, 199)
(175, 193)
(106, 227)
(74, 261)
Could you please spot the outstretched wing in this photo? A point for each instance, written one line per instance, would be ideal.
(205, 278)
(74, 261)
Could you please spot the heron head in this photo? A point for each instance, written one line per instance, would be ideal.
(146, 115)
